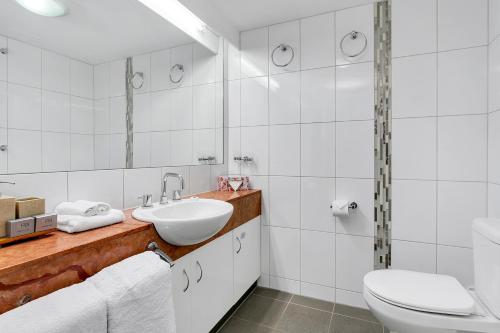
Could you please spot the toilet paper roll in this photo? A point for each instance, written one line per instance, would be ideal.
(340, 208)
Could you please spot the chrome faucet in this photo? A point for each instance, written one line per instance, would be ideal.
(177, 193)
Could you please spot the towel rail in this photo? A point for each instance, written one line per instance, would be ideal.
(152, 246)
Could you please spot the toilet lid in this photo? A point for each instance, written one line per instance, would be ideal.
(420, 291)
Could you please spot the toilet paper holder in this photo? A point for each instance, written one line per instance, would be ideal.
(352, 205)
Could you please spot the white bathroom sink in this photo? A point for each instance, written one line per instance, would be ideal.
(187, 221)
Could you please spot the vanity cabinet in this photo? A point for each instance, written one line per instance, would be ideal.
(208, 281)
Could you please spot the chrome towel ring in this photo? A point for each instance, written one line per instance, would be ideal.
(353, 35)
(283, 48)
(178, 68)
(138, 80)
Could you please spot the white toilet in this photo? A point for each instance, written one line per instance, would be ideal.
(413, 302)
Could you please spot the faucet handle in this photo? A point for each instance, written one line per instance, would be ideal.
(147, 200)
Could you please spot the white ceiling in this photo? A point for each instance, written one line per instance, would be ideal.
(94, 31)
(247, 14)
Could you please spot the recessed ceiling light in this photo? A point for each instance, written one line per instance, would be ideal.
(51, 8)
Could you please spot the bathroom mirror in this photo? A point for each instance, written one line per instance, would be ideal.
(97, 88)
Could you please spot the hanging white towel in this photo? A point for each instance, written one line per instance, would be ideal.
(79, 308)
(77, 223)
(138, 293)
(83, 208)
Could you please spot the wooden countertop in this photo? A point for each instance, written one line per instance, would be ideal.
(25, 254)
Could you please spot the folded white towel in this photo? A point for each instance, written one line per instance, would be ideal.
(138, 293)
(83, 208)
(76, 223)
(79, 308)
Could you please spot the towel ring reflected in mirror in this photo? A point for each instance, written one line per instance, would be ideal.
(353, 35)
(176, 69)
(138, 80)
(283, 48)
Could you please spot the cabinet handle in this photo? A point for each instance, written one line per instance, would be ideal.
(201, 272)
(239, 242)
(187, 281)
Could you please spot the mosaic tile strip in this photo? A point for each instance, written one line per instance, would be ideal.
(383, 135)
(129, 157)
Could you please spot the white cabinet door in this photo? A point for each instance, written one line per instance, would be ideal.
(182, 285)
(246, 249)
(212, 294)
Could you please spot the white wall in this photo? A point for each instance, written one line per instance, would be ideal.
(310, 131)
(494, 111)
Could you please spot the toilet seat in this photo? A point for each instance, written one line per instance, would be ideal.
(440, 294)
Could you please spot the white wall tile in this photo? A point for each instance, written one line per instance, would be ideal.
(203, 145)
(101, 80)
(289, 34)
(284, 150)
(101, 151)
(462, 81)
(117, 150)
(459, 203)
(317, 257)
(414, 86)
(101, 116)
(82, 152)
(285, 252)
(51, 186)
(82, 79)
(234, 103)
(493, 199)
(137, 182)
(462, 148)
(317, 41)
(160, 148)
(55, 112)
(160, 70)
(284, 200)
(24, 107)
(204, 65)
(317, 95)
(117, 112)
(414, 148)
(117, 78)
(255, 144)
(3, 60)
(494, 19)
(25, 151)
(3, 104)
(354, 92)
(494, 75)
(358, 19)
(182, 108)
(233, 63)
(494, 147)
(254, 52)
(55, 72)
(142, 150)
(262, 183)
(317, 150)
(354, 258)
(4, 156)
(199, 178)
(287, 285)
(457, 262)
(142, 113)
(414, 27)
(360, 221)
(317, 291)
(25, 64)
(181, 147)
(82, 115)
(350, 298)
(234, 150)
(354, 149)
(100, 185)
(254, 101)
(264, 249)
(55, 151)
(284, 98)
(204, 106)
(420, 257)
(316, 196)
(161, 109)
(462, 23)
(414, 210)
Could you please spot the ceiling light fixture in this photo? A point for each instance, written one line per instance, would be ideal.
(184, 19)
(50, 8)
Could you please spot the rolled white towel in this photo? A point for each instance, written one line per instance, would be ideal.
(83, 208)
(76, 223)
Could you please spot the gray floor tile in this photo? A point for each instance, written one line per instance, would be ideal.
(261, 310)
(300, 319)
(273, 293)
(312, 303)
(237, 325)
(342, 324)
(354, 312)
